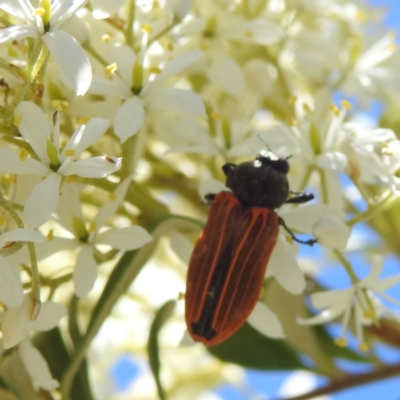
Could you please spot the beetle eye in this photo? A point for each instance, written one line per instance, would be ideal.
(257, 163)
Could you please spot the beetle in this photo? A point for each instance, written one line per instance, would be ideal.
(227, 267)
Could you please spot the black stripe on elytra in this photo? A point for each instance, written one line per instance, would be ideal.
(204, 326)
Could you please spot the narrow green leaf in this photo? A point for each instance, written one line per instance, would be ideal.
(250, 349)
(54, 350)
(162, 315)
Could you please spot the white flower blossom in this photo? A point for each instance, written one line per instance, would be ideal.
(36, 365)
(153, 96)
(19, 321)
(53, 162)
(359, 302)
(17, 324)
(71, 218)
(66, 51)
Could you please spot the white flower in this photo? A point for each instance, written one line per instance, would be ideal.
(19, 321)
(372, 72)
(266, 321)
(331, 232)
(152, 97)
(66, 51)
(16, 326)
(283, 262)
(373, 154)
(11, 292)
(71, 218)
(217, 26)
(359, 301)
(53, 162)
(36, 365)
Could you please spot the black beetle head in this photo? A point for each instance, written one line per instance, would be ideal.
(260, 183)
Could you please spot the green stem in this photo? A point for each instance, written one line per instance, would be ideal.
(35, 291)
(306, 178)
(36, 59)
(324, 188)
(347, 266)
(95, 54)
(129, 36)
(349, 381)
(132, 151)
(162, 33)
(372, 211)
(12, 69)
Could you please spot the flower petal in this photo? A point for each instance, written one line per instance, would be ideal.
(176, 101)
(42, 201)
(331, 232)
(259, 31)
(129, 118)
(325, 316)
(178, 64)
(334, 161)
(187, 340)
(21, 9)
(21, 235)
(94, 167)
(17, 323)
(85, 272)
(227, 73)
(11, 293)
(105, 86)
(34, 128)
(110, 207)
(385, 283)
(36, 365)
(62, 10)
(10, 163)
(284, 267)
(181, 246)
(102, 9)
(266, 322)
(332, 297)
(49, 316)
(376, 270)
(303, 218)
(92, 131)
(17, 32)
(129, 238)
(71, 59)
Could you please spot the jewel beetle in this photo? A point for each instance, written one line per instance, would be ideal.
(227, 267)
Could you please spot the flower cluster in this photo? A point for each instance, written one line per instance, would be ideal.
(115, 118)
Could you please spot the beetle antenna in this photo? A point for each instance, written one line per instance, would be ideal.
(264, 142)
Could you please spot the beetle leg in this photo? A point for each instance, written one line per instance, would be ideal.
(308, 242)
(300, 197)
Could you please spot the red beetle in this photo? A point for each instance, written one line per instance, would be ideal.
(227, 267)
